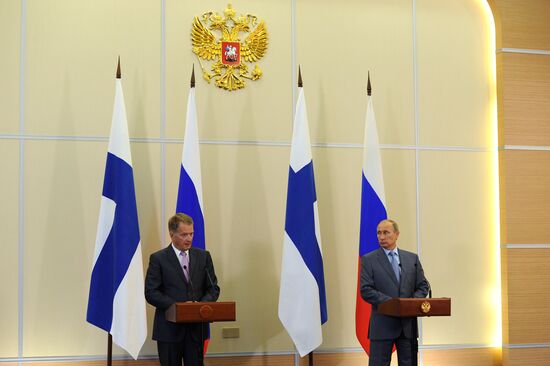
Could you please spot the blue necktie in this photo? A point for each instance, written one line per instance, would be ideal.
(394, 264)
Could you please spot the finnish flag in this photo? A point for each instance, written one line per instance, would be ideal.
(116, 301)
(302, 299)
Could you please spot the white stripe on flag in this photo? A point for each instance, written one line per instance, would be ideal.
(119, 142)
(190, 157)
(104, 224)
(129, 329)
(299, 309)
(300, 152)
(372, 162)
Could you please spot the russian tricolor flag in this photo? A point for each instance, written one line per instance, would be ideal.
(189, 199)
(116, 303)
(373, 210)
(302, 299)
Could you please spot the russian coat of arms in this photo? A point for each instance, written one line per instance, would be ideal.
(229, 53)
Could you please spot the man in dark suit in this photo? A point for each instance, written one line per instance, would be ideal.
(179, 273)
(387, 273)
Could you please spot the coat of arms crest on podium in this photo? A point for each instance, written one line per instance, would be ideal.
(229, 53)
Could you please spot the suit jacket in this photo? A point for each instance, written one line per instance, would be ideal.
(379, 284)
(165, 284)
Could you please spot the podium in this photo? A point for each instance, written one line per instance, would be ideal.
(413, 308)
(201, 312)
(407, 307)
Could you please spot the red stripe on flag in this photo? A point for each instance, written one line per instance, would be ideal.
(362, 316)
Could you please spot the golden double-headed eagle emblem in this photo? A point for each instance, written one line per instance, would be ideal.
(229, 53)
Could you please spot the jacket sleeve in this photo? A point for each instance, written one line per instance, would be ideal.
(421, 286)
(212, 291)
(153, 285)
(369, 293)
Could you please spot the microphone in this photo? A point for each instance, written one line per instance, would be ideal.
(190, 283)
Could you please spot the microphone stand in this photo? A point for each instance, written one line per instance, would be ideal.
(193, 299)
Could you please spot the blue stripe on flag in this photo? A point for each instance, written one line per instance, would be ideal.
(372, 212)
(300, 226)
(121, 244)
(188, 203)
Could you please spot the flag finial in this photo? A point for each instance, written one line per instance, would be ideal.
(193, 77)
(300, 83)
(369, 88)
(118, 69)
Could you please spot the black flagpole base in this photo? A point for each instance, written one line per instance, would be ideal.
(110, 350)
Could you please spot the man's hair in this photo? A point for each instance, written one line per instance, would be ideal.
(393, 223)
(177, 219)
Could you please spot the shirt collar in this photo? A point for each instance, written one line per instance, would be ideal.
(395, 250)
(177, 251)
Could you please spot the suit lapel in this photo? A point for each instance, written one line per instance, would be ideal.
(385, 263)
(405, 264)
(193, 261)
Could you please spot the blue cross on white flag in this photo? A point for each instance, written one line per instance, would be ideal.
(302, 299)
(116, 301)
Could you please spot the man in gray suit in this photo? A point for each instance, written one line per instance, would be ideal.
(386, 273)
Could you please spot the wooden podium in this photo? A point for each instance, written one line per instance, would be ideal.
(407, 307)
(201, 312)
(412, 308)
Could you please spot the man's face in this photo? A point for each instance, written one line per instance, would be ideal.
(182, 238)
(387, 236)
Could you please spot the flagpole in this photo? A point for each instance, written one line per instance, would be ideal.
(369, 88)
(109, 335)
(109, 349)
(301, 85)
(201, 346)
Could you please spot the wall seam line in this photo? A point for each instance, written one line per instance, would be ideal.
(21, 203)
(162, 118)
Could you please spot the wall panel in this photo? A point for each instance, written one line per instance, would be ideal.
(10, 43)
(444, 77)
(527, 194)
(528, 295)
(458, 221)
(524, 23)
(526, 356)
(9, 260)
(72, 50)
(462, 357)
(337, 48)
(525, 95)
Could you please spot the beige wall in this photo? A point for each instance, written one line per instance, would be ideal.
(434, 96)
(523, 65)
